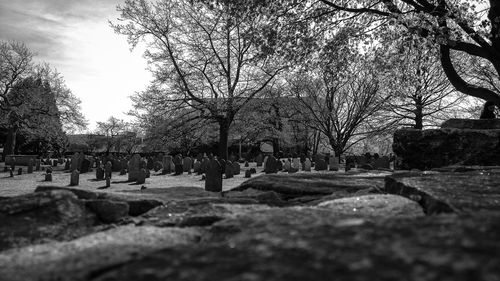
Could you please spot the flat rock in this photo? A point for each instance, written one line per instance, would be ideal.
(305, 184)
(80, 193)
(470, 192)
(383, 205)
(108, 211)
(41, 216)
(473, 124)
(263, 197)
(79, 258)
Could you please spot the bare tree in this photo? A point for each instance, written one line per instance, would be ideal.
(112, 129)
(204, 56)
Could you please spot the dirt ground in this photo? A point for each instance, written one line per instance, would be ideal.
(26, 183)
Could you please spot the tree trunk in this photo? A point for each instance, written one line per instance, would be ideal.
(10, 143)
(223, 138)
(419, 116)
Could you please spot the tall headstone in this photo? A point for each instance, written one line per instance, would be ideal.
(178, 167)
(167, 167)
(133, 167)
(271, 165)
(108, 170)
(213, 180)
(37, 164)
(236, 168)
(20, 171)
(229, 169)
(85, 167)
(99, 173)
(141, 176)
(334, 163)
(187, 164)
(287, 165)
(108, 182)
(246, 164)
(75, 178)
(307, 165)
(30, 166)
(11, 172)
(197, 167)
(296, 164)
(248, 174)
(259, 159)
(74, 162)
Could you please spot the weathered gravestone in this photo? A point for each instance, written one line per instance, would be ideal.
(30, 166)
(11, 172)
(307, 165)
(108, 169)
(141, 176)
(133, 167)
(67, 165)
(150, 163)
(178, 165)
(48, 174)
(271, 165)
(229, 169)
(259, 159)
(75, 178)
(279, 165)
(157, 166)
(248, 174)
(75, 162)
(37, 164)
(197, 167)
(54, 163)
(187, 164)
(236, 168)
(204, 165)
(296, 164)
(108, 182)
(287, 165)
(167, 165)
(246, 164)
(334, 163)
(264, 164)
(20, 171)
(99, 173)
(320, 163)
(85, 166)
(213, 179)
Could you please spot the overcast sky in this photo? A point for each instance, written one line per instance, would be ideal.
(75, 37)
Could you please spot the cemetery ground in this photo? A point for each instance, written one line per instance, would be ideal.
(442, 224)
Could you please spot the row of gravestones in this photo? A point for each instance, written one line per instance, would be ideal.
(273, 165)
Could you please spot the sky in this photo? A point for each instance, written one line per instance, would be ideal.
(75, 37)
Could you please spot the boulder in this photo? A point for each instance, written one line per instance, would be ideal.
(473, 124)
(35, 217)
(427, 149)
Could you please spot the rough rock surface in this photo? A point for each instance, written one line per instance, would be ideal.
(474, 124)
(42, 216)
(108, 211)
(294, 227)
(427, 149)
(470, 192)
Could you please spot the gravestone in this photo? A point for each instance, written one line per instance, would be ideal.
(99, 173)
(37, 164)
(253, 171)
(123, 172)
(75, 178)
(11, 172)
(133, 167)
(246, 164)
(92, 163)
(382, 163)
(151, 163)
(54, 163)
(334, 163)
(67, 165)
(264, 164)
(85, 166)
(141, 176)
(320, 163)
(30, 166)
(157, 166)
(197, 167)
(187, 164)
(229, 169)
(248, 174)
(108, 182)
(279, 165)
(19, 171)
(74, 162)
(178, 167)
(108, 169)
(307, 165)
(287, 166)
(236, 168)
(271, 165)
(259, 159)
(213, 180)
(296, 164)
(205, 165)
(167, 165)
(148, 174)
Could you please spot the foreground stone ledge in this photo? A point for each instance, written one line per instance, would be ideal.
(474, 124)
(428, 149)
(471, 192)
